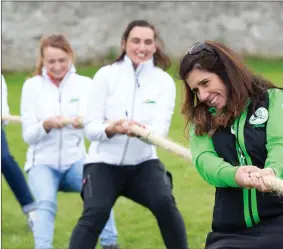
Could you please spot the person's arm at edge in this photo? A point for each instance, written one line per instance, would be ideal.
(5, 106)
(274, 132)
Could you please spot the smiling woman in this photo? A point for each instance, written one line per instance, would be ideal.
(209, 88)
(236, 135)
(55, 56)
(131, 91)
(141, 41)
(140, 45)
(56, 151)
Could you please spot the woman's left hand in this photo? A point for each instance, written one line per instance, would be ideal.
(257, 179)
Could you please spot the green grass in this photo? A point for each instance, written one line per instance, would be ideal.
(136, 225)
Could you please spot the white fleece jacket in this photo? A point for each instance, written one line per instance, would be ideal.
(146, 95)
(40, 100)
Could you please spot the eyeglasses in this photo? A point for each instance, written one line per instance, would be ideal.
(198, 47)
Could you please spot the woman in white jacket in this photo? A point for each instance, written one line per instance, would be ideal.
(132, 90)
(56, 151)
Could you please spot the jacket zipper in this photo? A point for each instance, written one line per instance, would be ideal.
(60, 112)
(249, 195)
(246, 192)
(125, 147)
(131, 117)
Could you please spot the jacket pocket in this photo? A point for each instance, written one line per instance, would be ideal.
(147, 112)
(73, 107)
(228, 201)
(86, 189)
(170, 178)
(115, 108)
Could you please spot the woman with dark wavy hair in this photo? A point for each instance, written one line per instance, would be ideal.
(236, 137)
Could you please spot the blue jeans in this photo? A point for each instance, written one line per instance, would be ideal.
(15, 178)
(45, 182)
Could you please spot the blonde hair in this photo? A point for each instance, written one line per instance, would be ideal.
(55, 41)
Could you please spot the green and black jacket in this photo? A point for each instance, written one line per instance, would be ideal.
(254, 139)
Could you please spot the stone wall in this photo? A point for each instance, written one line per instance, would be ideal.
(95, 28)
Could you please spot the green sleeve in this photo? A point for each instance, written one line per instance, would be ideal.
(274, 131)
(210, 166)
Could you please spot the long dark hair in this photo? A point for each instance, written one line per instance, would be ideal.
(159, 58)
(242, 86)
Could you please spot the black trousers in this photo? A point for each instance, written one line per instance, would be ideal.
(148, 184)
(266, 235)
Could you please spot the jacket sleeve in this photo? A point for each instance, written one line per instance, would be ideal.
(32, 129)
(94, 120)
(210, 166)
(164, 109)
(274, 132)
(87, 83)
(5, 106)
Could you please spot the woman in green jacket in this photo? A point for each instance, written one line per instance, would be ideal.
(236, 138)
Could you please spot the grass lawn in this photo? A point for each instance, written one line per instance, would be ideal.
(136, 225)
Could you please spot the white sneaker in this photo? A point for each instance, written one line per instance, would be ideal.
(31, 216)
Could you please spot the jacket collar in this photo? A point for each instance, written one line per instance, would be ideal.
(71, 70)
(142, 66)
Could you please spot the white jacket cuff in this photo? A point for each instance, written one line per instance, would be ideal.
(42, 131)
(96, 132)
(34, 133)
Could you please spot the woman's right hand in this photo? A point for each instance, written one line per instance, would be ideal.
(53, 123)
(244, 175)
(122, 127)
